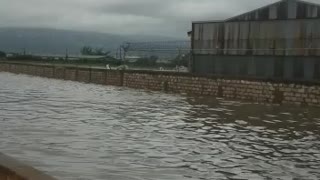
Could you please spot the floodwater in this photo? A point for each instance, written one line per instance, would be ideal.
(76, 131)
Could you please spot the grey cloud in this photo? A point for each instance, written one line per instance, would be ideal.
(137, 8)
(154, 17)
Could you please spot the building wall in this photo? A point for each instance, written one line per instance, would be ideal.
(271, 38)
(262, 90)
(286, 9)
(281, 40)
(274, 67)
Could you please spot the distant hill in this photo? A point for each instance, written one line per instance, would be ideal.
(52, 41)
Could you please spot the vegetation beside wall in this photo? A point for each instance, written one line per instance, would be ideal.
(152, 61)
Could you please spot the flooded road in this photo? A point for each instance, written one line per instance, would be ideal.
(76, 131)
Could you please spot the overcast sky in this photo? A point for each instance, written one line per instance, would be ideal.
(154, 17)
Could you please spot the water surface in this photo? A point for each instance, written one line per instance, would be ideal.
(76, 131)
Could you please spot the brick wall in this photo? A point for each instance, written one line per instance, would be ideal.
(84, 75)
(250, 90)
(71, 74)
(48, 72)
(59, 72)
(257, 90)
(114, 78)
(98, 77)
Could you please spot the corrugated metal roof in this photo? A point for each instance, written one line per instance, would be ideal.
(315, 2)
(252, 12)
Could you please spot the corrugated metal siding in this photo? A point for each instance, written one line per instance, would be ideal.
(305, 10)
(287, 9)
(291, 9)
(205, 64)
(268, 42)
(259, 66)
(273, 12)
(280, 37)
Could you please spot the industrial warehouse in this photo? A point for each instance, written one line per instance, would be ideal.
(279, 41)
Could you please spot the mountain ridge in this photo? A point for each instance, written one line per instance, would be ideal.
(57, 41)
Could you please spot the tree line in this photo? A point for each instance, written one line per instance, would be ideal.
(87, 50)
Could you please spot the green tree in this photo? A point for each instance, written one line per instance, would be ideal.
(87, 50)
(98, 51)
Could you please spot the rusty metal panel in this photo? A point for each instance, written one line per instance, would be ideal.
(312, 11)
(286, 37)
(292, 9)
(209, 31)
(210, 36)
(307, 10)
(196, 31)
(264, 39)
(232, 37)
(273, 12)
(196, 39)
(244, 33)
(263, 13)
(316, 32)
(206, 37)
(227, 32)
(286, 9)
(256, 15)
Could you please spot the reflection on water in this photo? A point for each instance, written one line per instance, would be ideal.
(83, 131)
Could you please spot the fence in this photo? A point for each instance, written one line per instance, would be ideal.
(160, 55)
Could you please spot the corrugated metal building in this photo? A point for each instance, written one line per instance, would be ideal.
(281, 40)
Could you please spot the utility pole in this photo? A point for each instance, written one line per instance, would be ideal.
(117, 54)
(124, 54)
(120, 53)
(67, 54)
(179, 59)
(125, 48)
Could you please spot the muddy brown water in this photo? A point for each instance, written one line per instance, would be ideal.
(78, 131)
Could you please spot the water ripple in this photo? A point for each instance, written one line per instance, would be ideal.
(82, 131)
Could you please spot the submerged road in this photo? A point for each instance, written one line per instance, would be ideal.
(76, 131)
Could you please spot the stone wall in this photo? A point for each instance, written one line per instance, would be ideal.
(98, 77)
(114, 78)
(10, 169)
(249, 89)
(71, 74)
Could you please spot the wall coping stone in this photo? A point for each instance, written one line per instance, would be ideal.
(184, 74)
